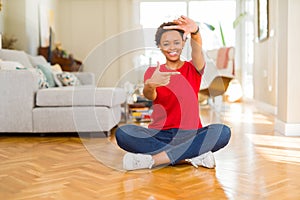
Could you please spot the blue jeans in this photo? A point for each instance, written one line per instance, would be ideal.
(178, 144)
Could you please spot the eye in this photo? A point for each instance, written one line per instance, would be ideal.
(165, 44)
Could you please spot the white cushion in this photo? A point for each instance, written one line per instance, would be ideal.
(17, 56)
(10, 65)
(80, 96)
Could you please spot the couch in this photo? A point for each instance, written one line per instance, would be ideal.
(28, 106)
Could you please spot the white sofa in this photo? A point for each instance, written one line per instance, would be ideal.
(24, 107)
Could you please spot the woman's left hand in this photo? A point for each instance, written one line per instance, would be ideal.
(184, 23)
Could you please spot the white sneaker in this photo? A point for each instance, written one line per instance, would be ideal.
(205, 160)
(133, 161)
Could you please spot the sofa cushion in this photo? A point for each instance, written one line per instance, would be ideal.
(10, 65)
(48, 74)
(15, 55)
(75, 119)
(67, 79)
(80, 96)
(38, 60)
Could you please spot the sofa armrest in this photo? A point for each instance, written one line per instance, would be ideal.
(17, 92)
(86, 78)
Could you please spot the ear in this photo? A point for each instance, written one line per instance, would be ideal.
(159, 46)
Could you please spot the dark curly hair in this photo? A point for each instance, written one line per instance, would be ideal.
(161, 30)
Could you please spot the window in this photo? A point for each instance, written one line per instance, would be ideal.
(152, 14)
(216, 13)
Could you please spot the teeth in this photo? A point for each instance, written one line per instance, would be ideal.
(173, 53)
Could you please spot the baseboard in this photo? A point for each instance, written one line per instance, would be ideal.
(265, 107)
(287, 129)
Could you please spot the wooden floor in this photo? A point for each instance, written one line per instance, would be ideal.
(258, 163)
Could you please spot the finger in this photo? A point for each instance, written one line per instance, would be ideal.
(157, 66)
(172, 27)
(178, 21)
(169, 73)
(186, 19)
(174, 73)
(165, 82)
(182, 20)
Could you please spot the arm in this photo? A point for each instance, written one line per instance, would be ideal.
(149, 90)
(197, 54)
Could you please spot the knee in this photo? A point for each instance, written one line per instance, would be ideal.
(118, 135)
(226, 134)
(122, 133)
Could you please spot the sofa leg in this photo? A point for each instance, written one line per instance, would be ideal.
(107, 133)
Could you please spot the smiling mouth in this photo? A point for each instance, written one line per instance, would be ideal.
(173, 53)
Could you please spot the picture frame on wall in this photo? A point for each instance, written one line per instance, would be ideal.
(263, 19)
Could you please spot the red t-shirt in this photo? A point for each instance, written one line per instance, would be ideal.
(176, 104)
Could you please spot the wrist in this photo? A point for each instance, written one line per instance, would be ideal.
(150, 84)
(196, 32)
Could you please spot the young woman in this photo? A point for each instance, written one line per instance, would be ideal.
(175, 134)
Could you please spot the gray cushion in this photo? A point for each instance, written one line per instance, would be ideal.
(15, 55)
(75, 119)
(38, 60)
(80, 96)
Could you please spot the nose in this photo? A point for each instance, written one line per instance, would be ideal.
(172, 46)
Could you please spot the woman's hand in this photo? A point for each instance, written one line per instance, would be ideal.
(159, 78)
(184, 23)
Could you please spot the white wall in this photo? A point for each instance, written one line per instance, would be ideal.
(277, 68)
(86, 24)
(265, 61)
(288, 118)
(2, 17)
(15, 21)
(21, 20)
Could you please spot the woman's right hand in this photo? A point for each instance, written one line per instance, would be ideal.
(159, 78)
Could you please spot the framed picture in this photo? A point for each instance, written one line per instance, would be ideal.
(263, 19)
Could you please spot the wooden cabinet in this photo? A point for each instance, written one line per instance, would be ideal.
(67, 63)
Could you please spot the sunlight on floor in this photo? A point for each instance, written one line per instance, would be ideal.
(238, 114)
(277, 148)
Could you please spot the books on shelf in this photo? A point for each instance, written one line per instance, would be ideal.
(141, 114)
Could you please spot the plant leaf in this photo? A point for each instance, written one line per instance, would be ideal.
(237, 20)
(222, 35)
(209, 26)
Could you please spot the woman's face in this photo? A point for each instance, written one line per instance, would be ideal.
(171, 45)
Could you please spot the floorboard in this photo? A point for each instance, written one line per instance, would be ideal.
(258, 163)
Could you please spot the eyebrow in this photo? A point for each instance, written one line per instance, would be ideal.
(169, 40)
